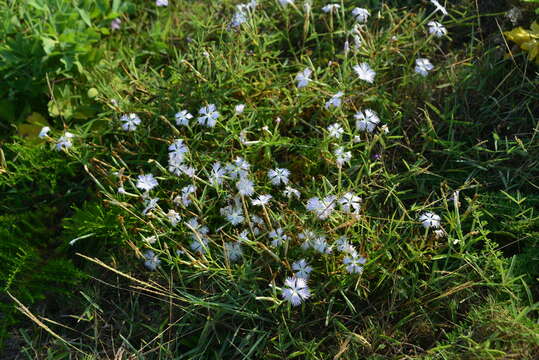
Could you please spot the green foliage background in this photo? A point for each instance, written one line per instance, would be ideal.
(61, 65)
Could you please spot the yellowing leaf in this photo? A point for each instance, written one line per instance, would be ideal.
(532, 47)
(518, 35)
(527, 40)
(37, 119)
(28, 130)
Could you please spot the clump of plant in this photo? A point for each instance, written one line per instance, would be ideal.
(284, 184)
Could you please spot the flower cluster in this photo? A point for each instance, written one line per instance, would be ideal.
(253, 201)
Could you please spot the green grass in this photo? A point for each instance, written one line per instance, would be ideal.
(461, 142)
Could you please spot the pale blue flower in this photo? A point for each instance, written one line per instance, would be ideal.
(430, 220)
(335, 100)
(261, 200)
(146, 182)
(423, 66)
(295, 290)
(279, 176)
(436, 29)
(209, 115)
(44, 131)
(245, 187)
(361, 15)
(366, 120)
(365, 72)
(354, 263)
(335, 130)
(183, 117)
(152, 261)
(130, 122)
(301, 269)
(278, 237)
(304, 77)
(322, 207)
(64, 142)
(233, 251)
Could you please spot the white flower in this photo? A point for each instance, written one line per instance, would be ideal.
(279, 176)
(121, 190)
(304, 77)
(238, 169)
(354, 263)
(423, 66)
(257, 220)
(150, 205)
(301, 269)
(344, 246)
(320, 244)
(290, 191)
(175, 160)
(366, 120)
(161, 2)
(217, 174)
(152, 261)
(173, 217)
(308, 236)
(361, 14)
(243, 236)
(186, 192)
(357, 41)
(64, 142)
(286, 2)
(146, 182)
(233, 214)
(245, 187)
(239, 108)
(322, 208)
(198, 230)
(437, 29)
(238, 18)
(194, 225)
(439, 234)
(439, 7)
(130, 122)
(175, 167)
(44, 131)
(150, 240)
(261, 200)
(278, 237)
(365, 72)
(295, 290)
(208, 116)
(178, 147)
(335, 130)
(335, 100)
(186, 170)
(330, 8)
(385, 129)
(346, 47)
(199, 245)
(342, 156)
(357, 138)
(233, 251)
(430, 220)
(350, 203)
(183, 117)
